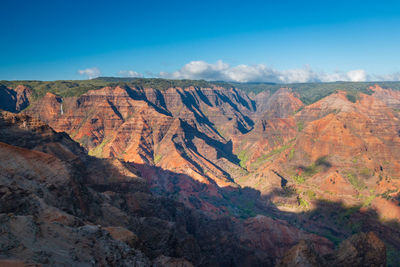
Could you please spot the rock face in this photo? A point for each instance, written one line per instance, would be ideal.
(388, 96)
(281, 104)
(180, 130)
(343, 148)
(14, 100)
(266, 234)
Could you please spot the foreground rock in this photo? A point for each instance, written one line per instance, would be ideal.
(364, 249)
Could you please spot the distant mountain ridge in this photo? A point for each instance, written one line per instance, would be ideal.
(309, 92)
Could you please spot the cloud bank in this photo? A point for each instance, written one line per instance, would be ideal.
(130, 73)
(90, 72)
(201, 70)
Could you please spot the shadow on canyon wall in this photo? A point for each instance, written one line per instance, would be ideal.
(333, 220)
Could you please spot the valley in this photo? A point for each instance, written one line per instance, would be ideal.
(187, 170)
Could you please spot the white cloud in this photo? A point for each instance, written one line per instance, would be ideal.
(90, 72)
(263, 73)
(130, 73)
(199, 70)
(357, 75)
(389, 77)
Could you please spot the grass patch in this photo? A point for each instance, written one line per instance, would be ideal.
(386, 194)
(260, 160)
(98, 151)
(311, 170)
(355, 182)
(352, 97)
(297, 111)
(303, 203)
(365, 172)
(311, 194)
(368, 201)
(300, 126)
(157, 159)
(243, 156)
(291, 154)
(299, 179)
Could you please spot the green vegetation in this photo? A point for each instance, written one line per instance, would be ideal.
(350, 211)
(239, 203)
(243, 156)
(98, 151)
(311, 194)
(334, 239)
(68, 88)
(312, 92)
(311, 170)
(300, 126)
(297, 111)
(392, 256)
(308, 92)
(365, 172)
(352, 96)
(260, 160)
(354, 181)
(356, 227)
(303, 203)
(291, 154)
(299, 179)
(157, 159)
(288, 191)
(386, 194)
(368, 201)
(61, 88)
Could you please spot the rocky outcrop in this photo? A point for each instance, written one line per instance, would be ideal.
(363, 249)
(302, 254)
(281, 104)
(388, 96)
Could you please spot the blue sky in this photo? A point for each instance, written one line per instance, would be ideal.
(282, 41)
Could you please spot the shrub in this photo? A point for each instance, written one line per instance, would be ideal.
(354, 181)
(351, 97)
(291, 154)
(157, 158)
(303, 203)
(299, 179)
(300, 126)
(311, 194)
(243, 156)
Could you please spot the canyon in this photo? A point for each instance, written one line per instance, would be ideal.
(205, 175)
